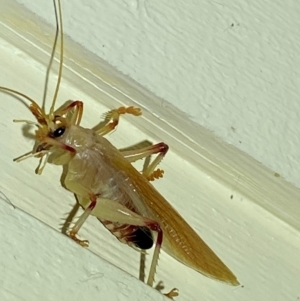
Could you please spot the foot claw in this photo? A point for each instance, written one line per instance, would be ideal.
(159, 286)
(130, 110)
(172, 294)
(83, 243)
(156, 174)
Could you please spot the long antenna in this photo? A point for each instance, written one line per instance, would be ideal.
(59, 29)
(51, 60)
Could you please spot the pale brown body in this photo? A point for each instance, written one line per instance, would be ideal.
(99, 168)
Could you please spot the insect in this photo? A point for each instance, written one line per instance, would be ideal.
(107, 185)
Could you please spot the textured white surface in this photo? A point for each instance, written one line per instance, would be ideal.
(232, 65)
(261, 249)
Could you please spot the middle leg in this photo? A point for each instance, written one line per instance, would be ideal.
(149, 172)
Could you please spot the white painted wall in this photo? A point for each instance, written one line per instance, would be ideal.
(232, 65)
(260, 248)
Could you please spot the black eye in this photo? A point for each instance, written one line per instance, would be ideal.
(59, 132)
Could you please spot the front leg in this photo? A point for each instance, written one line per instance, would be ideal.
(112, 118)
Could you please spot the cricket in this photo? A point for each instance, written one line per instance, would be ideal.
(109, 187)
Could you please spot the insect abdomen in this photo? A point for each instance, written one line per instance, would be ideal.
(135, 236)
(142, 238)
